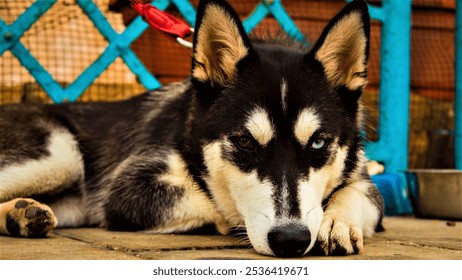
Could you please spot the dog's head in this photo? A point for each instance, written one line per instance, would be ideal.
(278, 124)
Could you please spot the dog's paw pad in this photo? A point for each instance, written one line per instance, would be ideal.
(29, 218)
(338, 237)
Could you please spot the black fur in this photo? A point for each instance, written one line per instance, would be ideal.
(123, 211)
(15, 123)
(124, 144)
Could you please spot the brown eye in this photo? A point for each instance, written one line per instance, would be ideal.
(244, 143)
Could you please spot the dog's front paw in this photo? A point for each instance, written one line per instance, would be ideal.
(29, 218)
(337, 236)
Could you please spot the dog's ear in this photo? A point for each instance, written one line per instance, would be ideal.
(220, 42)
(343, 47)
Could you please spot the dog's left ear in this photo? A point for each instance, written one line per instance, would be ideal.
(343, 47)
(220, 42)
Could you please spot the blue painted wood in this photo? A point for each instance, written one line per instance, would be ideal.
(10, 34)
(187, 10)
(260, 12)
(392, 146)
(86, 78)
(276, 9)
(285, 21)
(458, 87)
(119, 45)
(98, 19)
(374, 12)
(43, 78)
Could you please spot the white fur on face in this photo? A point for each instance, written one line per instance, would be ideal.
(260, 126)
(306, 124)
(314, 189)
(246, 199)
(243, 198)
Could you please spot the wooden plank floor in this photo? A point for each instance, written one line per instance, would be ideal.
(405, 238)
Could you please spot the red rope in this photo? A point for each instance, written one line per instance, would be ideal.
(161, 20)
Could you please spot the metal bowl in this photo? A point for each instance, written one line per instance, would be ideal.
(436, 193)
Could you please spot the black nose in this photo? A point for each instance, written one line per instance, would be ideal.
(289, 241)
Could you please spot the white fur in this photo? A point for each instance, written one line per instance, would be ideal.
(313, 190)
(350, 214)
(349, 217)
(242, 197)
(333, 171)
(250, 200)
(63, 166)
(284, 89)
(70, 212)
(260, 126)
(220, 172)
(306, 124)
(310, 206)
(254, 199)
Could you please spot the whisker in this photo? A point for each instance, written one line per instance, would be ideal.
(311, 210)
(239, 235)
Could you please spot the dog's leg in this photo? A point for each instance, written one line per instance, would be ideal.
(59, 164)
(156, 193)
(39, 159)
(26, 218)
(351, 213)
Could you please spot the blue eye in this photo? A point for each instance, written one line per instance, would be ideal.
(318, 144)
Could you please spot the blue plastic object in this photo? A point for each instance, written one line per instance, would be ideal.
(395, 193)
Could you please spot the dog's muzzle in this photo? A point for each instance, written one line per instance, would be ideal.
(289, 241)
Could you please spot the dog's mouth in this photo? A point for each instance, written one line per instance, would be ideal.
(288, 240)
(285, 237)
(285, 242)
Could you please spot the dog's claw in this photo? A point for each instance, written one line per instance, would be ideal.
(338, 237)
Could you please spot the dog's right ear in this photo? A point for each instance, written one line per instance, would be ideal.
(220, 42)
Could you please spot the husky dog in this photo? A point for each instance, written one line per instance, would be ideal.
(263, 136)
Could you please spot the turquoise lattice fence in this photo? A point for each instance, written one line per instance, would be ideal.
(119, 45)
